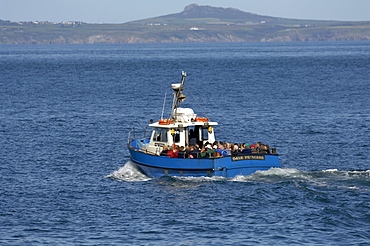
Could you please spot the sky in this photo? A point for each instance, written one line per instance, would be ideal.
(121, 11)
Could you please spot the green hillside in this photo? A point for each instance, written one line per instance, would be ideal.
(194, 24)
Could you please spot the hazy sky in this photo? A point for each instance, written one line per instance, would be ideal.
(120, 11)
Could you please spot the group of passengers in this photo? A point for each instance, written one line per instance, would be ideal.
(214, 150)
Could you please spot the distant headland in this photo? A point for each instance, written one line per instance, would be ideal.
(194, 24)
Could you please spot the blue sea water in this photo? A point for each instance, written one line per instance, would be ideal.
(66, 111)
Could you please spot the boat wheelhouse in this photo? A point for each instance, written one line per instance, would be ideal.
(184, 128)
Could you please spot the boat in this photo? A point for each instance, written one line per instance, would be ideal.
(185, 129)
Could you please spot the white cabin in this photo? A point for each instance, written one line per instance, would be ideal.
(184, 130)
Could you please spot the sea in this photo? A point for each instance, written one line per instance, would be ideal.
(66, 112)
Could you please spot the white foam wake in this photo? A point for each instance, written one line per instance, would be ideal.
(129, 173)
(286, 174)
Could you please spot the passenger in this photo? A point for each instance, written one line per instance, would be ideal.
(203, 152)
(259, 147)
(265, 150)
(241, 147)
(253, 148)
(164, 151)
(206, 143)
(173, 153)
(247, 149)
(181, 152)
(231, 146)
(215, 143)
(189, 152)
(210, 150)
(228, 148)
(234, 149)
(221, 150)
(170, 150)
(207, 151)
(195, 153)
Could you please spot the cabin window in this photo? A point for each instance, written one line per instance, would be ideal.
(160, 135)
(193, 135)
(176, 137)
(205, 133)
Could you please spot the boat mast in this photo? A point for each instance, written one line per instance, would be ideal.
(177, 95)
(164, 103)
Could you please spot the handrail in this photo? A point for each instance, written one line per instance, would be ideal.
(139, 150)
(129, 138)
(133, 132)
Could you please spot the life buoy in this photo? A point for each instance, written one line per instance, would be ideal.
(166, 121)
(201, 119)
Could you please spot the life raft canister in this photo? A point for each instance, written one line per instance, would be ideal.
(201, 119)
(166, 121)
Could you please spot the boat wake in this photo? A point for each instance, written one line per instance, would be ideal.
(332, 178)
(129, 173)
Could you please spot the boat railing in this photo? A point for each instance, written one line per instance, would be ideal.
(139, 143)
(129, 137)
(132, 134)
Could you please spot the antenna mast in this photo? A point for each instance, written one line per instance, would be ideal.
(164, 103)
(177, 95)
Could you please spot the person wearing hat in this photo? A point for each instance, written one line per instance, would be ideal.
(207, 151)
(247, 149)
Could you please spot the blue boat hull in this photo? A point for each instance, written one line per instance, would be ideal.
(229, 166)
